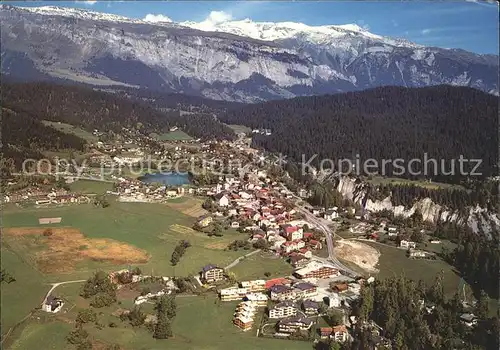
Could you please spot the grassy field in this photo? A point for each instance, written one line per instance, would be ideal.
(177, 135)
(52, 335)
(89, 186)
(240, 128)
(394, 261)
(71, 129)
(23, 295)
(154, 228)
(377, 180)
(254, 267)
(202, 324)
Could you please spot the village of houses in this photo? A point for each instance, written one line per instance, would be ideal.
(265, 209)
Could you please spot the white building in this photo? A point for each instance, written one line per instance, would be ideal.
(283, 309)
(52, 304)
(407, 244)
(334, 300)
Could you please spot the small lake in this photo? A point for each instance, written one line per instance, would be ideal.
(169, 179)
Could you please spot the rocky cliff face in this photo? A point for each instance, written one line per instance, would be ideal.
(478, 219)
(245, 61)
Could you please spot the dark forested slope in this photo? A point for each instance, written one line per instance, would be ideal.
(24, 136)
(92, 109)
(383, 123)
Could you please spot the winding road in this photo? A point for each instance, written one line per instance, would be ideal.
(237, 261)
(329, 234)
(55, 285)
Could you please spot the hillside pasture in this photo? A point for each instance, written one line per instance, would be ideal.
(71, 129)
(147, 227)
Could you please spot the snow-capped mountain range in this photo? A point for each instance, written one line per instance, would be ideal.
(232, 60)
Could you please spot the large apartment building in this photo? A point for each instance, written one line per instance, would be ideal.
(317, 270)
(283, 309)
(244, 315)
(254, 286)
(280, 292)
(212, 273)
(294, 323)
(233, 293)
(305, 290)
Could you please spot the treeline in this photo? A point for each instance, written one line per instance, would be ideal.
(91, 109)
(202, 126)
(395, 304)
(175, 101)
(6, 277)
(179, 251)
(476, 257)
(385, 123)
(484, 194)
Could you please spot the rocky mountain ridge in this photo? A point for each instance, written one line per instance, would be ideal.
(241, 61)
(477, 218)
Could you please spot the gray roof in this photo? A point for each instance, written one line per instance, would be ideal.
(209, 267)
(285, 303)
(309, 304)
(279, 288)
(296, 319)
(468, 317)
(304, 286)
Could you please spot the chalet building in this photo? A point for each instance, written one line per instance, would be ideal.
(305, 290)
(212, 273)
(284, 309)
(339, 287)
(233, 293)
(292, 233)
(281, 292)
(331, 215)
(52, 304)
(310, 307)
(205, 221)
(277, 281)
(222, 199)
(407, 244)
(260, 299)
(291, 246)
(337, 333)
(254, 286)
(299, 261)
(244, 315)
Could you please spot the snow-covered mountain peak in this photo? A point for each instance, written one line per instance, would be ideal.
(270, 31)
(77, 13)
(155, 53)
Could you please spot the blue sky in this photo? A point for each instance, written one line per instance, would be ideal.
(468, 24)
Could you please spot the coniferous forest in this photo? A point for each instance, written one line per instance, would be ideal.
(418, 316)
(91, 109)
(26, 105)
(383, 123)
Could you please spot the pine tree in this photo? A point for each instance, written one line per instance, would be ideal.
(162, 329)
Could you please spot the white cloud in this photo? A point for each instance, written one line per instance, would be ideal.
(156, 18)
(216, 17)
(395, 23)
(426, 31)
(363, 25)
(90, 3)
(483, 2)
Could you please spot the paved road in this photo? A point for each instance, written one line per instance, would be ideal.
(237, 261)
(55, 285)
(329, 234)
